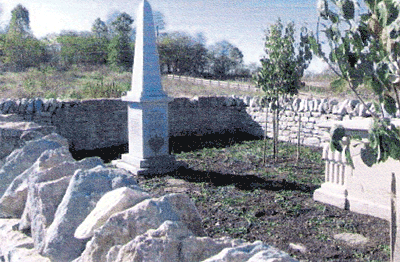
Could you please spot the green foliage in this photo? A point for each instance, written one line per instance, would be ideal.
(282, 67)
(225, 59)
(88, 50)
(20, 52)
(100, 90)
(385, 140)
(120, 51)
(337, 135)
(159, 22)
(364, 44)
(99, 28)
(182, 54)
(19, 23)
(338, 85)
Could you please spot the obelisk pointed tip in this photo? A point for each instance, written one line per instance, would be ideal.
(146, 77)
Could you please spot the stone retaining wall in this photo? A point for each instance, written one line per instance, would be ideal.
(99, 123)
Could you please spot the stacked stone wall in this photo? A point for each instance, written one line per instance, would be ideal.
(99, 123)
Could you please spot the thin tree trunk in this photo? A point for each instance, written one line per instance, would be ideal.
(276, 129)
(298, 139)
(265, 135)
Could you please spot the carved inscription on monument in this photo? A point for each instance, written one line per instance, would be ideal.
(155, 122)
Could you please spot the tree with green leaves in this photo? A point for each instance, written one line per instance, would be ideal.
(159, 22)
(282, 68)
(19, 23)
(364, 42)
(120, 48)
(82, 49)
(19, 50)
(225, 59)
(100, 29)
(182, 54)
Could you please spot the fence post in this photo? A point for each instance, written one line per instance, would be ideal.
(394, 252)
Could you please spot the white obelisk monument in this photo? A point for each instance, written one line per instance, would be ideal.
(147, 105)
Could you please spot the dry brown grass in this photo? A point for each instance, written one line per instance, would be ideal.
(82, 83)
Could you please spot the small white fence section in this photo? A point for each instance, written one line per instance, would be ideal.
(217, 83)
(335, 164)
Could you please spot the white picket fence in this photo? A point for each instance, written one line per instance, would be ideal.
(209, 82)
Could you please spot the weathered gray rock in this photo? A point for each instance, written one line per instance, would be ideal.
(164, 242)
(195, 248)
(112, 202)
(303, 106)
(15, 131)
(8, 107)
(351, 239)
(323, 106)
(148, 214)
(21, 159)
(16, 246)
(30, 135)
(85, 189)
(46, 189)
(171, 242)
(298, 247)
(317, 102)
(341, 109)
(256, 251)
(39, 215)
(12, 203)
(296, 103)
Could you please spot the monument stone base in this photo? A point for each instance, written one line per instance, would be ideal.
(149, 166)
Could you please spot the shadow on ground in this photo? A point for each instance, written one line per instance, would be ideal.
(242, 182)
(180, 144)
(177, 145)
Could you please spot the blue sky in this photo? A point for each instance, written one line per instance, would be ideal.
(240, 22)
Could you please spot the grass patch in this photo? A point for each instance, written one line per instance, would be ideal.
(100, 82)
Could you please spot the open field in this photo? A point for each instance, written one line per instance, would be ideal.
(238, 195)
(82, 83)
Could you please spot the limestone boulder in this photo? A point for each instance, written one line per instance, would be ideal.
(46, 190)
(352, 239)
(84, 190)
(171, 242)
(253, 252)
(112, 202)
(23, 158)
(12, 203)
(196, 248)
(15, 245)
(15, 132)
(124, 226)
(39, 212)
(161, 244)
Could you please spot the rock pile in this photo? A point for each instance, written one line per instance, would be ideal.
(54, 208)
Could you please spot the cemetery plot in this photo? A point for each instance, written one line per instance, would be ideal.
(238, 196)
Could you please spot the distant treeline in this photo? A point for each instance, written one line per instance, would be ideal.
(112, 43)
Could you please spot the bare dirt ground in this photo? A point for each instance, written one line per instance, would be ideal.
(239, 196)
